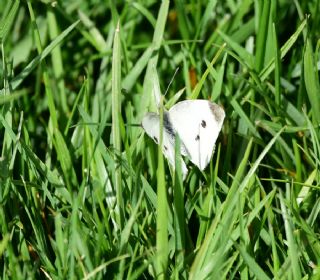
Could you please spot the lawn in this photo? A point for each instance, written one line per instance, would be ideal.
(86, 194)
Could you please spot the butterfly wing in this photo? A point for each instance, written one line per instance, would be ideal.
(198, 123)
(151, 125)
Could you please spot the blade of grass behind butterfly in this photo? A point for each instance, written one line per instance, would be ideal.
(199, 85)
(157, 96)
(216, 91)
(156, 44)
(173, 100)
(131, 78)
(162, 214)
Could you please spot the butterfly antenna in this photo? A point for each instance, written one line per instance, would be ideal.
(171, 81)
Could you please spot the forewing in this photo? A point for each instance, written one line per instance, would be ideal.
(151, 125)
(198, 123)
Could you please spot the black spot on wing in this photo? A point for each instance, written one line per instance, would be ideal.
(155, 139)
(203, 123)
(197, 138)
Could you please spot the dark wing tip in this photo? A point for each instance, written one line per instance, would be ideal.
(217, 112)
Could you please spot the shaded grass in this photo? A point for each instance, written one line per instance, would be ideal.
(83, 199)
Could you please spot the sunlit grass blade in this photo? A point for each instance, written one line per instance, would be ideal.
(162, 211)
(116, 114)
(93, 35)
(131, 78)
(153, 62)
(196, 91)
(242, 52)
(178, 212)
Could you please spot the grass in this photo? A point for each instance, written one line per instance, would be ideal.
(84, 194)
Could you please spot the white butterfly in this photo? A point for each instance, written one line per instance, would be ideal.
(197, 122)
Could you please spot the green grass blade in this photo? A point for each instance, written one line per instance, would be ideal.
(17, 80)
(312, 82)
(242, 52)
(277, 70)
(197, 89)
(116, 115)
(178, 213)
(262, 34)
(252, 264)
(292, 246)
(156, 44)
(131, 78)
(13, 96)
(184, 25)
(162, 214)
(47, 83)
(284, 50)
(65, 160)
(57, 61)
(52, 176)
(8, 18)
